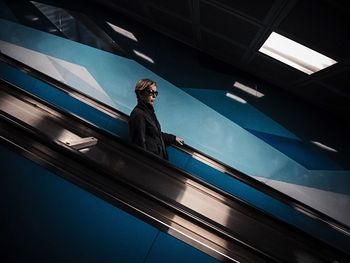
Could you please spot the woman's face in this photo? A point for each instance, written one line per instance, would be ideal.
(151, 94)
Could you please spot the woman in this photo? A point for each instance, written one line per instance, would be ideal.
(144, 128)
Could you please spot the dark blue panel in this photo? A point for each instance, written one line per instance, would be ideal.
(305, 153)
(169, 249)
(178, 158)
(47, 219)
(16, 77)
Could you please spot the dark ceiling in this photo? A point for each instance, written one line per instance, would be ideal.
(230, 32)
(234, 30)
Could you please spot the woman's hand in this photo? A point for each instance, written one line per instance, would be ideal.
(179, 140)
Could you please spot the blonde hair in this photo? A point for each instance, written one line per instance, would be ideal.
(142, 84)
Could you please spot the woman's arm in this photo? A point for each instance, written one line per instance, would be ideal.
(170, 138)
(137, 129)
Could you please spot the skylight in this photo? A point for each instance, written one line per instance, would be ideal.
(295, 54)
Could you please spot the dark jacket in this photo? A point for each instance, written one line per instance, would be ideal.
(145, 131)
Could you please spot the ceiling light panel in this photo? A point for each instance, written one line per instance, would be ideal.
(295, 54)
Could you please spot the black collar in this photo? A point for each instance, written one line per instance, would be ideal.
(145, 106)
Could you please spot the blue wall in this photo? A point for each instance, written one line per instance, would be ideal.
(44, 218)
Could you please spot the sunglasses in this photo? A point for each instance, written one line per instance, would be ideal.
(152, 93)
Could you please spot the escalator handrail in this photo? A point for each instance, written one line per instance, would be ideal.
(214, 163)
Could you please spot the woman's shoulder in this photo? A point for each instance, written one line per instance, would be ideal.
(138, 112)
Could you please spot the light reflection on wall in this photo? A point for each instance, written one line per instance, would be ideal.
(69, 73)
